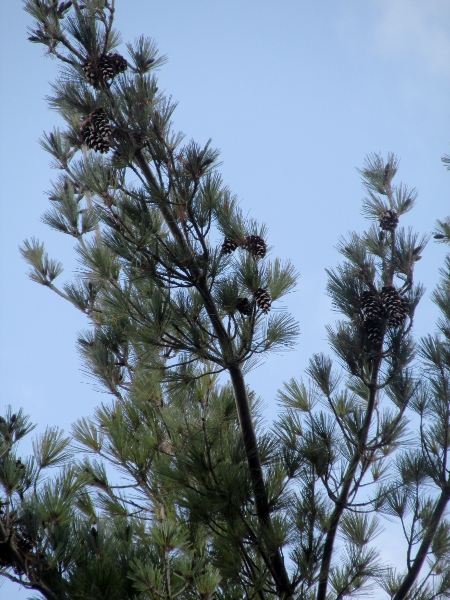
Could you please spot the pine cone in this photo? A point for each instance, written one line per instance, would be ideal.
(100, 71)
(372, 329)
(96, 131)
(397, 318)
(371, 306)
(106, 69)
(118, 63)
(262, 299)
(389, 220)
(94, 140)
(90, 72)
(228, 246)
(396, 306)
(255, 245)
(244, 306)
(390, 298)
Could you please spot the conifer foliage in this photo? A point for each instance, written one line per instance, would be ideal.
(175, 489)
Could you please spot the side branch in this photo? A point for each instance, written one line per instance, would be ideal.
(421, 555)
(341, 501)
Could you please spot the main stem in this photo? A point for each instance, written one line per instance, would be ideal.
(276, 562)
(273, 557)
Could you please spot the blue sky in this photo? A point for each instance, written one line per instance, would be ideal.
(295, 94)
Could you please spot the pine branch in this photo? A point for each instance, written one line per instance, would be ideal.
(342, 500)
(421, 555)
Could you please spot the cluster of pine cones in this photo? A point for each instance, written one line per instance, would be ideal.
(96, 131)
(100, 71)
(261, 298)
(257, 248)
(252, 243)
(388, 304)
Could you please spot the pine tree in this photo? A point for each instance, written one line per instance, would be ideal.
(175, 489)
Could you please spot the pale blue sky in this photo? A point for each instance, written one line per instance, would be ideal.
(295, 94)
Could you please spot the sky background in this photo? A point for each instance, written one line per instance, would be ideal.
(294, 93)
